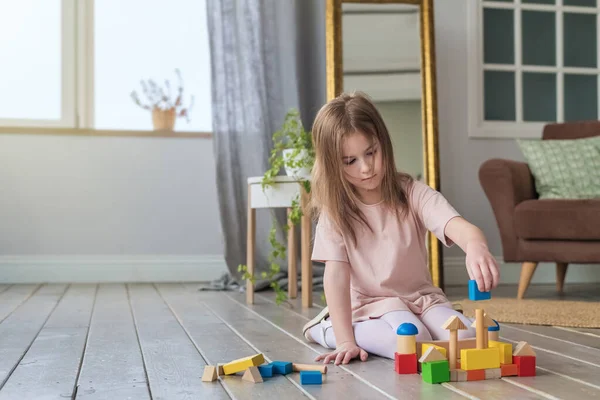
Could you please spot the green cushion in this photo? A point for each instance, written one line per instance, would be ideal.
(564, 169)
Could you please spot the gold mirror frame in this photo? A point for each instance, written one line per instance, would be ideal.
(333, 35)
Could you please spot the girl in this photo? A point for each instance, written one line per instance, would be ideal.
(371, 235)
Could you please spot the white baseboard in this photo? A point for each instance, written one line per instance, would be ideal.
(455, 272)
(132, 268)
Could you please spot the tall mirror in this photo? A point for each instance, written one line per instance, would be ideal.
(385, 48)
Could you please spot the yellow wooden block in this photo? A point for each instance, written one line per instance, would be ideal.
(243, 364)
(426, 346)
(505, 351)
(471, 359)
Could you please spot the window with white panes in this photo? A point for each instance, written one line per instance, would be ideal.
(536, 61)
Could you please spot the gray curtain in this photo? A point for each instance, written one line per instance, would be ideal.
(267, 56)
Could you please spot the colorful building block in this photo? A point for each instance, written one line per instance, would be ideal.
(405, 363)
(508, 370)
(311, 378)
(458, 375)
(494, 332)
(476, 375)
(407, 339)
(471, 359)
(525, 365)
(523, 349)
(426, 346)
(266, 371)
(505, 351)
(436, 371)
(475, 294)
(282, 367)
(252, 375)
(493, 373)
(210, 374)
(243, 363)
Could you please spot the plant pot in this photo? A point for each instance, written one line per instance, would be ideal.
(163, 119)
(290, 162)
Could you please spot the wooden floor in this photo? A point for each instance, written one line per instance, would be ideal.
(152, 341)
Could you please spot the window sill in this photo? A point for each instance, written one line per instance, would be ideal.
(102, 132)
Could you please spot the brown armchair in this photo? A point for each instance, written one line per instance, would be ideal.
(533, 230)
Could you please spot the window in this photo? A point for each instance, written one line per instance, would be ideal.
(73, 64)
(532, 62)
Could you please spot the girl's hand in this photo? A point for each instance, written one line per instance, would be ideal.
(482, 266)
(343, 354)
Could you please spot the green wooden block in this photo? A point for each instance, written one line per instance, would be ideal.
(436, 371)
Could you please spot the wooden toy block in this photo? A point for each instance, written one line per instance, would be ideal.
(494, 331)
(525, 365)
(469, 343)
(309, 367)
(210, 374)
(407, 340)
(427, 346)
(311, 378)
(476, 375)
(282, 367)
(493, 373)
(471, 359)
(453, 324)
(436, 371)
(458, 375)
(252, 375)
(508, 370)
(266, 371)
(432, 354)
(523, 349)
(458, 364)
(220, 371)
(505, 351)
(481, 323)
(243, 364)
(475, 294)
(405, 363)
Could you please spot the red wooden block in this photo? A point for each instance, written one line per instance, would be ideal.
(476, 375)
(525, 365)
(509, 369)
(405, 363)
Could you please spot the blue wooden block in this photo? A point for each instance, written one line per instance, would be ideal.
(266, 371)
(311, 378)
(475, 294)
(282, 367)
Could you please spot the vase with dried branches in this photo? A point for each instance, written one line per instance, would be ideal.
(160, 101)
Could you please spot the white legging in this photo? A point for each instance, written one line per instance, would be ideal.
(378, 336)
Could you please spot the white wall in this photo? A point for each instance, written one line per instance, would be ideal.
(108, 208)
(461, 156)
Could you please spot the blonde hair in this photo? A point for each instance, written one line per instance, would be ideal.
(330, 191)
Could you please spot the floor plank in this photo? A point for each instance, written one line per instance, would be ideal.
(498, 389)
(4, 287)
(278, 345)
(218, 344)
(13, 297)
(50, 367)
(20, 328)
(570, 337)
(112, 367)
(173, 364)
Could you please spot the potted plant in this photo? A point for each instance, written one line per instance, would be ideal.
(293, 151)
(164, 107)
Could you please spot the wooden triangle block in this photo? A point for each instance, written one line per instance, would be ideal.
(523, 349)
(210, 374)
(432, 354)
(454, 323)
(487, 322)
(252, 374)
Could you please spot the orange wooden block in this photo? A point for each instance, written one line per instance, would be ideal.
(508, 369)
(476, 375)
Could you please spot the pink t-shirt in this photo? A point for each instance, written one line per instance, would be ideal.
(388, 267)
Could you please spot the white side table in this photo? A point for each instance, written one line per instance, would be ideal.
(280, 195)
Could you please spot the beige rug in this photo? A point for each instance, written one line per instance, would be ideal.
(578, 314)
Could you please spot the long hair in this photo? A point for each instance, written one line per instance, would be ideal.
(330, 191)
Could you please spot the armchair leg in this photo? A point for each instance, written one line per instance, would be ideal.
(561, 272)
(527, 270)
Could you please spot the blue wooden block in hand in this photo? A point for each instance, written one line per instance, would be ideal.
(266, 371)
(282, 367)
(311, 377)
(475, 294)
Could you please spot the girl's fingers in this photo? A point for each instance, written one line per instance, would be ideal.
(487, 276)
(329, 357)
(495, 273)
(340, 357)
(363, 355)
(348, 357)
(476, 271)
